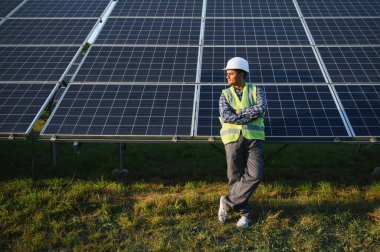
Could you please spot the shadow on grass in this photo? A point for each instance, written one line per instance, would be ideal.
(174, 163)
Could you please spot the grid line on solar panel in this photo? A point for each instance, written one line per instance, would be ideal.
(20, 104)
(162, 8)
(153, 31)
(267, 64)
(45, 31)
(339, 8)
(293, 111)
(43, 63)
(123, 110)
(352, 64)
(361, 104)
(255, 32)
(7, 6)
(58, 8)
(251, 8)
(139, 64)
(345, 31)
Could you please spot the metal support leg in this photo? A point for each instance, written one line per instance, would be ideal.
(360, 148)
(219, 149)
(120, 156)
(77, 146)
(120, 173)
(269, 159)
(33, 152)
(53, 155)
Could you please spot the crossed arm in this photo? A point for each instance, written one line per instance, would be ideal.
(242, 116)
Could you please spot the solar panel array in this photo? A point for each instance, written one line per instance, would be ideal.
(39, 40)
(314, 59)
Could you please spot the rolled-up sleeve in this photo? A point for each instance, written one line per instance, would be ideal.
(228, 114)
(259, 109)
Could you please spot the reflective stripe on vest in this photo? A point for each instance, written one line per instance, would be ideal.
(252, 130)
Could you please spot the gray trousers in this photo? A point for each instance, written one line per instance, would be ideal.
(245, 160)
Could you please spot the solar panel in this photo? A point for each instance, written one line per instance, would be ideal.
(123, 110)
(34, 63)
(251, 8)
(20, 105)
(58, 8)
(255, 32)
(152, 31)
(293, 111)
(352, 64)
(139, 64)
(208, 112)
(339, 8)
(162, 8)
(362, 106)
(7, 6)
(345, 31)
(45, 31)
(267, 64)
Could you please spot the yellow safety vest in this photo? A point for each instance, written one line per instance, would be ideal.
(252, 130)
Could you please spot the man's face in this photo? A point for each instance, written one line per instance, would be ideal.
(234, 77)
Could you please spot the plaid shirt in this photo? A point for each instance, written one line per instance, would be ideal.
(228, 114)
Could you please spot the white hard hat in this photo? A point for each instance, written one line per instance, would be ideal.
(237, 63)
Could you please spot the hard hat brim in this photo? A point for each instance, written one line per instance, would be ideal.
(234, 69)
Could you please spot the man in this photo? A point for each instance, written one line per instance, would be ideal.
(242, 107)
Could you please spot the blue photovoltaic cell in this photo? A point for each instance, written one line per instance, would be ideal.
(352, 64)
(58, 8)
(339, 8)
(250, 8)
(124, 110)
(345, 31)
(162, 8)
(362, 106)
(45, 31)
(34, 63)
(139, 64)
(293, 111)
(20, 104)
(7, 6)
(255, 32)
(150, 31)
(267, 64)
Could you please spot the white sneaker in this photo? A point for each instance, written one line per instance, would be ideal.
(222, 214)
(244, 222)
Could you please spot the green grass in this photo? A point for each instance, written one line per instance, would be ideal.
(314, 197)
